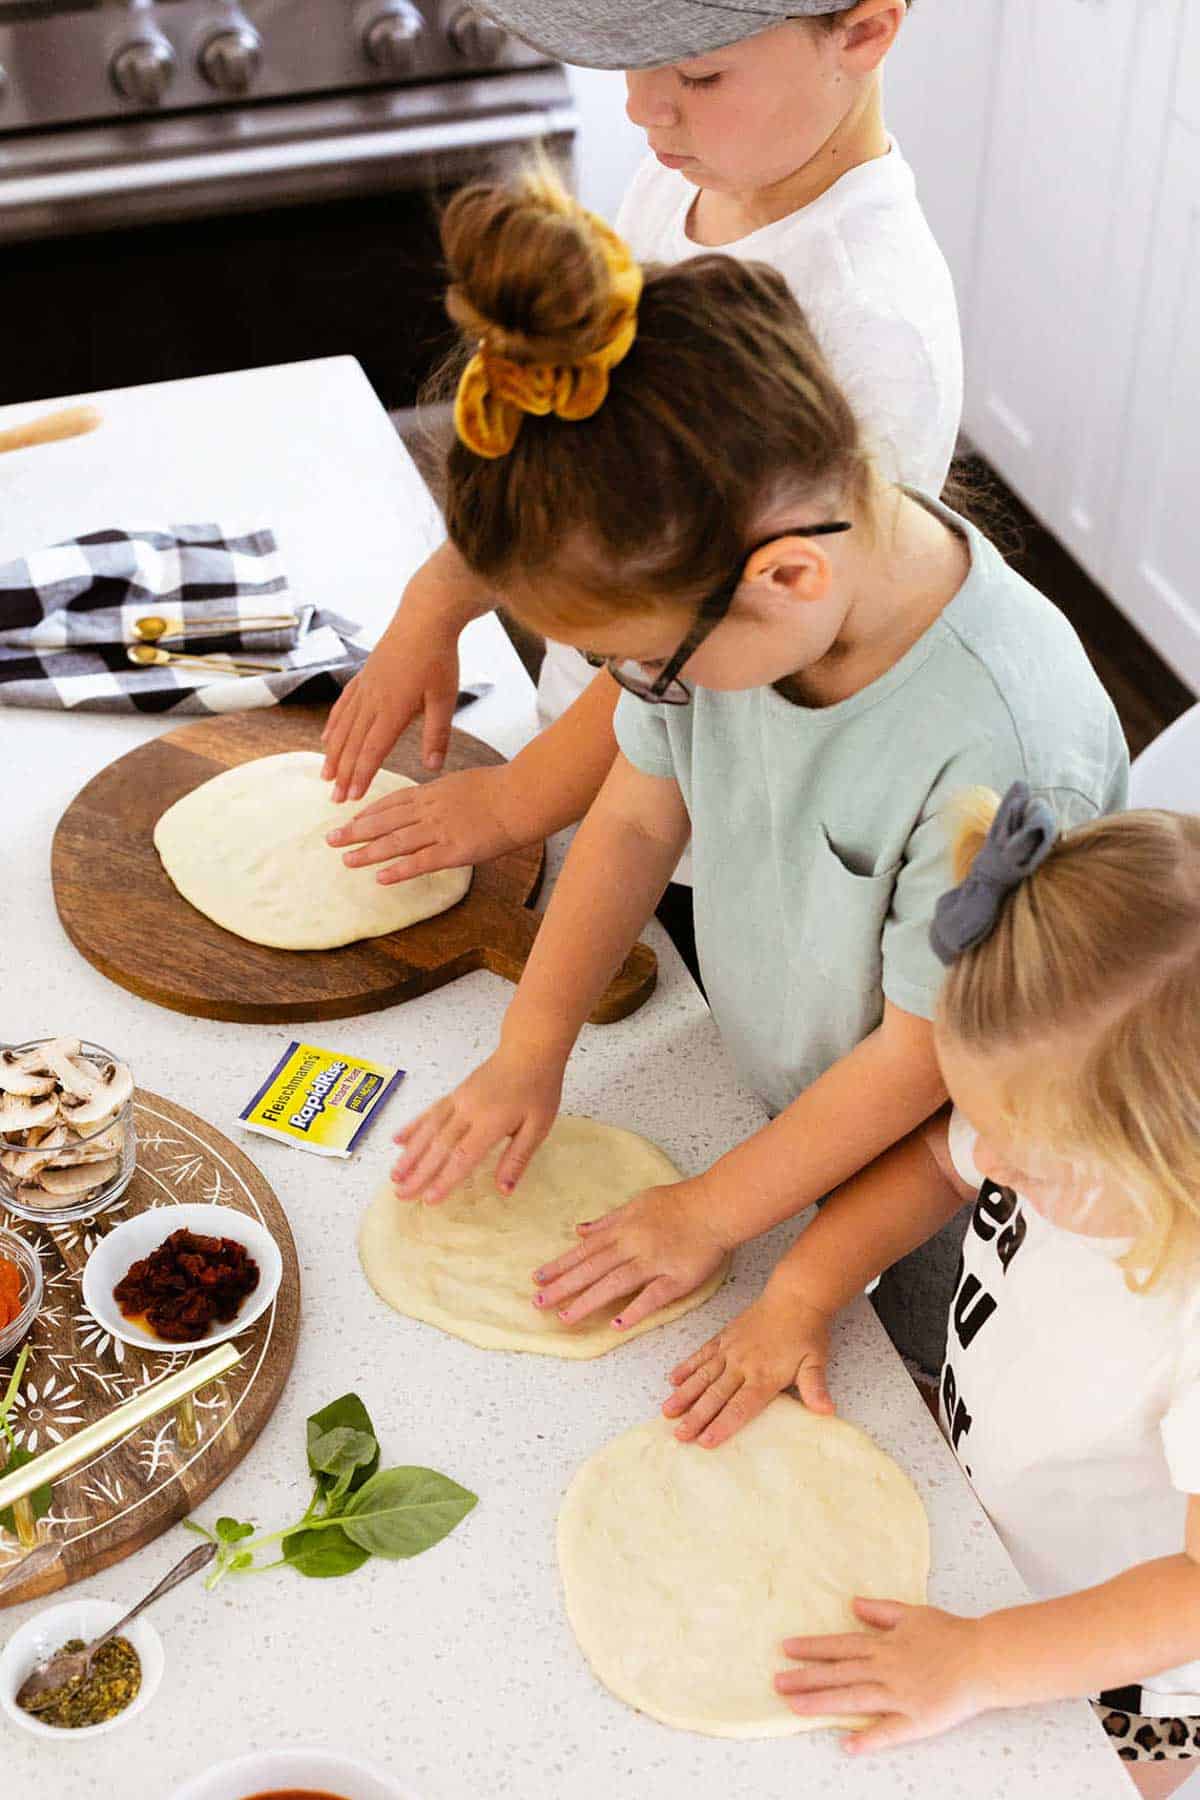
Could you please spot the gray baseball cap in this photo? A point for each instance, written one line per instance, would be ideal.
(637, 34)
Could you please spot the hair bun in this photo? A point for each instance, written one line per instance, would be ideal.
(526, 270)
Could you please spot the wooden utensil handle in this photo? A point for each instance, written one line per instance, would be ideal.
(68, 422)
(515, 928)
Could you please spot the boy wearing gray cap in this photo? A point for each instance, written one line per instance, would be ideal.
(767, 141)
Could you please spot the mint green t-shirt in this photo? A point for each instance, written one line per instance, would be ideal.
(818, 833)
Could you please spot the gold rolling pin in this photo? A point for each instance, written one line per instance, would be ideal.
(172, 1390)
(69, 422)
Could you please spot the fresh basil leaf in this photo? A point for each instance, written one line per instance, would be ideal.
(347, 1412)
(323, 1554)
(200, 1530)
(243, 1560)
(340, 1453)
(400, 1512)
(41, 1499)
(232, 1531)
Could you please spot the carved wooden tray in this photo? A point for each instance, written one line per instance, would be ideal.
(76, 1372)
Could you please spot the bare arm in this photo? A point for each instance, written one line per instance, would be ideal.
(617, 868)
(923, 1670)
(782, 1338)
(867, 1101)
(413, 668)
(476, 814)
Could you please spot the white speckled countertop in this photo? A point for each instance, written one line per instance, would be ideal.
(456, 1672)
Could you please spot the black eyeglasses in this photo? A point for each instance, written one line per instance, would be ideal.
(666, 689)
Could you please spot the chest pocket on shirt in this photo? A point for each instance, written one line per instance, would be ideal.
(847, 903)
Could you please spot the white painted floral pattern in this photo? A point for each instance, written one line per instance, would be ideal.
(77, 1370)
(45, 1412)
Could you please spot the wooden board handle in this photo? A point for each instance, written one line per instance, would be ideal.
(68, 422)
(512, 936)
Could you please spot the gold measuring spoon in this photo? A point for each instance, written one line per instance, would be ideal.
(153, 627)
(146, 655)
(69, 1668)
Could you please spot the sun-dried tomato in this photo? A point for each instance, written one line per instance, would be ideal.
(187, 1285)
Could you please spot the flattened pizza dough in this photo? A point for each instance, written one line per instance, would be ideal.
(248, 849)
(467, 1265)
(685, 1568)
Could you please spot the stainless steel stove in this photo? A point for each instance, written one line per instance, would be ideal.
(160, 159)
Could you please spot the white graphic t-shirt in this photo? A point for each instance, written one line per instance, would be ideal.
(1072, 1403)
(874, 285)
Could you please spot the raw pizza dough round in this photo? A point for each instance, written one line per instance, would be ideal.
(248, 849)
(467, 1265)
(685, 1568)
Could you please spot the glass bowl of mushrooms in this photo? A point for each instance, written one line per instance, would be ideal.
(67, 1143)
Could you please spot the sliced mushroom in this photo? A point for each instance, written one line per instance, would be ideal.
(14, 1079)
(74, 1073)
(33, 1197)
(35, 1059)
(113, 1087)
(81, 1179)
(21, 1113)
(85, 1150)
(24, 1165)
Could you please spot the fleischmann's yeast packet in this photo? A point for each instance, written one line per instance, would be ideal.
(319, 1099)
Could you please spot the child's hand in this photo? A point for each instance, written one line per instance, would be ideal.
(513, 1095)
(777, 1343)
(459, 819)
(657, 1247)
(405, 674)
(921, 1671)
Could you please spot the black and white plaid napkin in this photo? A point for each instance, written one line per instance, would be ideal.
(67, 617)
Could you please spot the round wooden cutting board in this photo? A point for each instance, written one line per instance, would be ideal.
(77, 1372)
(122, 912)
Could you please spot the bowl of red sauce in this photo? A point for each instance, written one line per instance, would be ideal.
(293, 1775)
(182, 1278)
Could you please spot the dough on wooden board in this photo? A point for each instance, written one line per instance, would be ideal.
(684, 1569)
(467, 1265)
(248, 849)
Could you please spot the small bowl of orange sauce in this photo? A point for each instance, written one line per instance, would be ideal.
(293, 1775)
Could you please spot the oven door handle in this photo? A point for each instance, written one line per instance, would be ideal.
(402, 143)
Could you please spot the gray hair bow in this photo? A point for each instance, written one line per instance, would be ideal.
(1022, 836)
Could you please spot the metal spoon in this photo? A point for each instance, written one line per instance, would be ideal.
(147, 654)
(70, 1667)
(153, 626)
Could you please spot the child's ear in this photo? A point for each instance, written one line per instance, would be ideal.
(868, 31)
(794, 568)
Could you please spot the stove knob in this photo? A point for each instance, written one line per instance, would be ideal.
(229, 60)
(476, 38)
(142, 69)
(391, 38)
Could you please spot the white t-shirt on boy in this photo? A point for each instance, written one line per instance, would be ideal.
(875, 287)
(1072, 1403)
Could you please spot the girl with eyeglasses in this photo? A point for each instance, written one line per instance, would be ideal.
(657, 467)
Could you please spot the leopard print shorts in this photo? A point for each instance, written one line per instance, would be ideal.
(1138, 1738)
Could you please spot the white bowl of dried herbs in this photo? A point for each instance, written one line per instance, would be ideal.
(124, 1679)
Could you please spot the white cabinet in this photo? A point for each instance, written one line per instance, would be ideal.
(1055, 132)
(1156, 561)
(1065, 130)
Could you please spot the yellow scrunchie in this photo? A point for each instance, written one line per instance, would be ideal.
(495, 393)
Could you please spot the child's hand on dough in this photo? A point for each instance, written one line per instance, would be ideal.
(462, 818)
(656, 1248)
(511, 1095)
(777, 1343)
(919, 1671)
